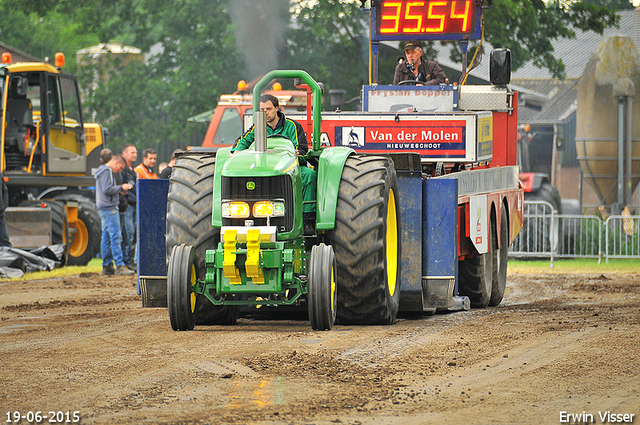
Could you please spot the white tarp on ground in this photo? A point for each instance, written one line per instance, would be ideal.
(16, 262)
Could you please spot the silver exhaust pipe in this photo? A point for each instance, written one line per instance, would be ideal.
(260, 128)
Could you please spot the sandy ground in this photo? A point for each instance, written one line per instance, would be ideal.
(558, 343)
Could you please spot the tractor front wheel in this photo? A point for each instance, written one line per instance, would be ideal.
(322, 288)
(181, 276)
(189, 221)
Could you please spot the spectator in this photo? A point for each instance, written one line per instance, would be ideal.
(105, 155)
(4, 203)
(161, 167)
(144, 170)
(107, 200)
(130, 154)
(166, 173)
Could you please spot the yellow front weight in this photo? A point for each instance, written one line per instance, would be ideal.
(252, 265)
(229, 260)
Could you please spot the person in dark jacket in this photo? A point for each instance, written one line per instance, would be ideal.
(424, 72)
(4, 203)
(107, 201)
(128, 175)
(166, 173)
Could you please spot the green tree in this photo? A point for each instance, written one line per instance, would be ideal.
(42, 35)
(528, 27)
(328, 40)
(148, 104)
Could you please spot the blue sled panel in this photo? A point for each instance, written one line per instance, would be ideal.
(439, 242)
(151, 228)
(410, 188)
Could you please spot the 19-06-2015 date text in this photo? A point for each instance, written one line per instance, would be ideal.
(44, 417)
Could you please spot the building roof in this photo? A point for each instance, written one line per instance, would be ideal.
(545, 101)
(18, 55)
(103, 48)
(575, 53)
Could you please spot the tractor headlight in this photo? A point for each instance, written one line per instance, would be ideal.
(236, 209)
(263, 209)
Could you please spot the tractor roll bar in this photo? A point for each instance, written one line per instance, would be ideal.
(315, 88)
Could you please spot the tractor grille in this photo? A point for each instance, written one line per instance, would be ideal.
(266, 189)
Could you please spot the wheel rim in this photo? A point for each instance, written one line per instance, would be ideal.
(193, 282)
(333, 290)
(392, 243)
(80, 240)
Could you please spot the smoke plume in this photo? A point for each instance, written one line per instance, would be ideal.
(260, 26)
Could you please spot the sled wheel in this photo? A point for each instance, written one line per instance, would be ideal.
(500, 259)
(322, 288)
(181, 276)
(476, 279)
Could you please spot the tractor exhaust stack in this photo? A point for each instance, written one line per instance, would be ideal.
(260, 122)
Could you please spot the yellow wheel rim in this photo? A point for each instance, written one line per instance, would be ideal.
(193, 282)
(392, 243)
(333, 289)
(80, 240)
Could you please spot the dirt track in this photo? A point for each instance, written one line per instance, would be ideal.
(557, 343)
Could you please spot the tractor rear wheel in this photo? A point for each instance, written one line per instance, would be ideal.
(189, 221)
(366, 242)
(500, 259)
(322, 288)
(181, 276)
(476, 278)
(85, 242)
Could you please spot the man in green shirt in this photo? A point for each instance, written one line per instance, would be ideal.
(278, 123)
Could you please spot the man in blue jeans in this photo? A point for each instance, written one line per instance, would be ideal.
(128, 219)
(107, 200)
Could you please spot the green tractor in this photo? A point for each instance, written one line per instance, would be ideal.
(236, 238)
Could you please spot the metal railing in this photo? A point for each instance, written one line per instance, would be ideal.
(546, 234)
(623, 236)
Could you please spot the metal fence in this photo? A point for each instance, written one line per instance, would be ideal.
(622, 234)
(549, 235)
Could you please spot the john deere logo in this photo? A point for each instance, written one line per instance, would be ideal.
(251, 185)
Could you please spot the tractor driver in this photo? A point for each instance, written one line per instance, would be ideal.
(278, 123)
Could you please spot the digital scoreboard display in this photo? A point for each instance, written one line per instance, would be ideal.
(427, 20)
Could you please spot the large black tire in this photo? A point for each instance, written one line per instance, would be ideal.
(181, 276)
(59, 223)
(476, 279)
(189, 222)
(366, 242)
(85, 242)
(322, 288)
(500, 258)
